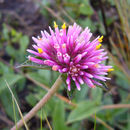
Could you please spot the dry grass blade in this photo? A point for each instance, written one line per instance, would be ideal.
(120, 43)
(115, 60)
(122, 8)
(17, 105)
(117, 106)
(103, 123)
(47, 121)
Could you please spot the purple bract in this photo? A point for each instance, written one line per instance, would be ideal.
(71, 51)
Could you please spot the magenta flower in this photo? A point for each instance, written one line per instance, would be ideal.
(71, 51)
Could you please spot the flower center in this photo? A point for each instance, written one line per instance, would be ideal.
(74, 71)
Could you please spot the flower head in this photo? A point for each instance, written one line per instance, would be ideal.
(71, 51)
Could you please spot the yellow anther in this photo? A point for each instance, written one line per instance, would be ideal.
(98, 46)
(40, 50)
(100, 39)
(54, 68)
(109, 70)
(64, 26)
(55, 25)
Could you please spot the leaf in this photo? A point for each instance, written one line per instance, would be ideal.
(34, 66)
(24, 41)
(4, 69)
(11, 51)
(87, 22)
(43, 76)
(28, 64)
(31, 99)
(6, 100)
(5, 32)
(83, 110)
(85, 9)
(5, 96)
(81, 95)
(10, 78)
(13, 32)
(59, 116)
(97, 92)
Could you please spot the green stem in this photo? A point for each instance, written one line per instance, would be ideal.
(14, 113)
(95, 122)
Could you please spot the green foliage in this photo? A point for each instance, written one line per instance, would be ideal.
(16, 43)
(5, 96)
(10, 78)
(85, 9)
(59, 116)
(83, 110)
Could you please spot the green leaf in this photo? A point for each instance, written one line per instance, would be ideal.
(34, 66)
(12, 51)
(83, 110)
(13, 32)
(87, 23)
(85, 9)
(6, 100)
(44, 78)
(81, 95)
(31, 99)
(10, 78)
(24, 41)
(4, 69)
(5, 32)
(97, 92)
(59, 116)
(5, 95)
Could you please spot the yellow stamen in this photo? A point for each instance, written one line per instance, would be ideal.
(98, 46)
(64, 26)
(54, 68)
(100, 39)
(55, 25)
(109, 70)
(40, 50)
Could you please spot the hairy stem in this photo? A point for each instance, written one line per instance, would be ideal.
(40, 104)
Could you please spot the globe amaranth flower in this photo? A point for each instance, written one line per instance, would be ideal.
(71, 51)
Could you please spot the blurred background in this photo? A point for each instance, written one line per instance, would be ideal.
(22, 19)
